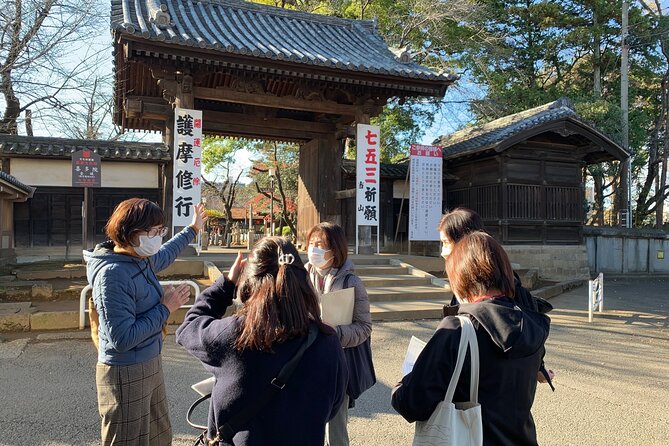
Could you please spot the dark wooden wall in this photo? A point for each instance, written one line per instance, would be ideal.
(53, 216)
(527, 195)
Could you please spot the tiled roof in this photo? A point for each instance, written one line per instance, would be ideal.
(488, 135)
(59, 147)
(249, 29)
(391, 171)
(14, 182)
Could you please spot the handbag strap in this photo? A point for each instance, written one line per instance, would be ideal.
(467, 340)
(237, 422)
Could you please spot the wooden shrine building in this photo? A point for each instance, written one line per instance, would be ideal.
(525, 173)
(50, 221)
(261, 72)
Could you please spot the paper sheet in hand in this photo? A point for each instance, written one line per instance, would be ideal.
(204, 387)
(337, 307)
(413, 351)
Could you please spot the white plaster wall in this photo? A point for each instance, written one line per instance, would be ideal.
(38, 172)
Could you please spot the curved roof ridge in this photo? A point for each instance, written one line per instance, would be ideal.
(563, 105)
(359, 47)
(291, 13)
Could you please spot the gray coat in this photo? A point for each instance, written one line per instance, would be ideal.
(360, 329)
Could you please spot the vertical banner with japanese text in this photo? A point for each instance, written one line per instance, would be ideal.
(187, 170)
(425, 194)
(367, 177)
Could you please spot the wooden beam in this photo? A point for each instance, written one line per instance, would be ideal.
(254, 132)
(143, 107)
(343, 194)
(289, 103)
(267, 123)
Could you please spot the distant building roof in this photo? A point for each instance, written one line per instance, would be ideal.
(249, 29)
(392, 171)
(38, 146)
(28, 190)
(493, 134)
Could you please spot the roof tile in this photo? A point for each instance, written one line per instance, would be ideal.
(239, 27)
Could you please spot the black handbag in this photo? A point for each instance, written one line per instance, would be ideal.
(226, 433)
(361, 374)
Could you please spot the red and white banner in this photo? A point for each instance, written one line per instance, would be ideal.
(368, 177)
(425, 194)
(187, 165)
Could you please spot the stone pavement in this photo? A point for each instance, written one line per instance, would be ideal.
(611, 385)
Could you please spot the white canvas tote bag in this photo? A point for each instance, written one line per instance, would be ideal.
(456, 424)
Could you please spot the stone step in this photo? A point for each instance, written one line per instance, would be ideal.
(409, 293)
(404, 311)
(395, 280)
(380, 270)
(358, 261)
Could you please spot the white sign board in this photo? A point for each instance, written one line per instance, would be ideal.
(187, 162)
(425, 193)
(595, 295)
(368, 178)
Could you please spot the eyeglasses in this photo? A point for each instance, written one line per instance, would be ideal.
(153, 232)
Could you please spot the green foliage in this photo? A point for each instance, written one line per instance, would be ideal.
(219, 153)
(402, 125)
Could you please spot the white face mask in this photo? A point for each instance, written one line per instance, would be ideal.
(317, 256)
(446, 249)
(148, 246)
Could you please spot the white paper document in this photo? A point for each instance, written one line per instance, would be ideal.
(413, 351)
(204, 387)
(337, 307)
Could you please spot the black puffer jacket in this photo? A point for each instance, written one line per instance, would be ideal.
(511, 345)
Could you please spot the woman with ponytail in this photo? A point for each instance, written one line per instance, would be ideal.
(246, 351)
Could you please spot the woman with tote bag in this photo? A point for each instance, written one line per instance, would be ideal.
(510, 343)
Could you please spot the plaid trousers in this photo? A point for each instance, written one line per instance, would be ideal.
(133, 404)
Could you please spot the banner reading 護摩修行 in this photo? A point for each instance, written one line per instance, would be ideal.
(425, 196)
(187, 170)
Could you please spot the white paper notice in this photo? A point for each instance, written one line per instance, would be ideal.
(337, 307)
(413, 351)
(204, 387)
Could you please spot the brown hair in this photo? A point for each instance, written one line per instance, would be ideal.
(460, 222)
(130, 216)
(279, 300)
(477, 264)
(336, 240)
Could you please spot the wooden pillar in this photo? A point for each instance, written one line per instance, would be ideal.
(320, 178)
(179, 91)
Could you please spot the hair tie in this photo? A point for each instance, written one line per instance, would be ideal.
(285, 259)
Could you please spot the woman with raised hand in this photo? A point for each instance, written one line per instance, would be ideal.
(246, 351)
(510, 340)
(330, 269)
(132, 309)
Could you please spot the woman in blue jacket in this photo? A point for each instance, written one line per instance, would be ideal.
(132, 308)
(246, 351)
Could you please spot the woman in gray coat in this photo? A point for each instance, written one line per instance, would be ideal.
(330, 270)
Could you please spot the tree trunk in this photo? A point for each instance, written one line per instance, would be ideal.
(597, 56)
(12, 105)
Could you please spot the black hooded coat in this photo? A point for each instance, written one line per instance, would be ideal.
(511, 349)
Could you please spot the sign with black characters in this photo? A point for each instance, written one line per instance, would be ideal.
(368, 175)
(86, 169)
(187, 165)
